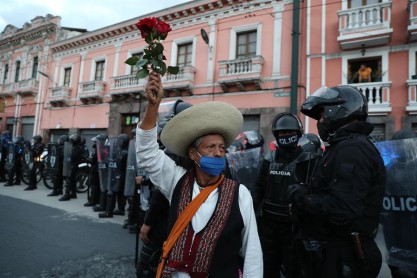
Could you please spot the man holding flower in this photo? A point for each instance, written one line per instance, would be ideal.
(219, 237)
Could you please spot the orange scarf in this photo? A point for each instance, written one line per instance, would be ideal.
(182, 222)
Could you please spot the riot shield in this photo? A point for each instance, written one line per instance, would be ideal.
(102, 154)
(27, 156)
(399, 216)
(131, 169)
(245, 166)
(67, 163)
(11, 156)
(114, 171)
(53, 160)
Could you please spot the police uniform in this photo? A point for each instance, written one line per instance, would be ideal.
(339, 211)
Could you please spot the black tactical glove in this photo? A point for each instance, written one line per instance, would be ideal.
(295, 193)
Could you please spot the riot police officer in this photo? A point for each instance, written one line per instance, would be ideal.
(73, 154)
(56, 164)
(94, 196)
(6, 137)
(123, 145)
(113, 182)
(339, 210)
(102, 154)
(36, 151)
(277, 173)
(14, 161)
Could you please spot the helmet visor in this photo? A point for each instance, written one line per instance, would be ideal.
(322, 97)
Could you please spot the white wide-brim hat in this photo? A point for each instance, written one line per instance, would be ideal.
(213, 117)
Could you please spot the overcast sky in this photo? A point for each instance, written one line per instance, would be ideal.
(88, 14)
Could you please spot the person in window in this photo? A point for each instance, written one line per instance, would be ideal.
(364, 74)
(221, 240)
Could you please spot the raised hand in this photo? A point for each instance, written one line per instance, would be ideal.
(153, 89)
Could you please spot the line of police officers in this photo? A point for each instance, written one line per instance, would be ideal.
(17, 156)
(320, 213)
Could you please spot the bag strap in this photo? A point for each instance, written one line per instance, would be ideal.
(182, 222)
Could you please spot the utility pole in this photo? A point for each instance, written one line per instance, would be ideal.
(294, 56)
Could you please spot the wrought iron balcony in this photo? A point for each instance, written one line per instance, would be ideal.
(91, 92)
(180, 84)
(59, 96)
(241, 73)
(412, 25)
(378, 96)
(365, 26)
(127, 86)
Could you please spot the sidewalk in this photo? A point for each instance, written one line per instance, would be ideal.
(74, 207)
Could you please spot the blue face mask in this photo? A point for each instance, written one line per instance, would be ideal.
(213, 166)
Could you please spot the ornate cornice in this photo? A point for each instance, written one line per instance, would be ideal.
(178, 18)
(23, 38)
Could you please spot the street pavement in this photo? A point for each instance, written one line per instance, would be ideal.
(43, 237)
(74, 207)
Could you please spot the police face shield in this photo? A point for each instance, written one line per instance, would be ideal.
(322, 97)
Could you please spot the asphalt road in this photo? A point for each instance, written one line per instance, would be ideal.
(43, 237)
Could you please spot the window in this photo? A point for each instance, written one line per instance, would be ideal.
(6, 72)
(185, 52)
(16, 76)
(133, 69)
(67, 77)
(246, 45)
(365, 70)
(99, 76)
(35, 67)
(361, 3)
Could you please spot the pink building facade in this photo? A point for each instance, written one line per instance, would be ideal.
(24, 55)
(246, 61)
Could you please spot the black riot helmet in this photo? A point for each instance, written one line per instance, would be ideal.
(338, 105)
(180, 106)
(286, 121)
(100, 137)
(62, 139)
(75, 139)
(37, 139)
(177, 108)
(18, 140)
(123, 141)
(310, 143)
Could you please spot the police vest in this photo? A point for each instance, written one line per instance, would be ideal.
(280, 176)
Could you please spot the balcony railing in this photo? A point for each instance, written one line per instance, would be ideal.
(91, 92)
(8, 89)
(126, 86)
(370, 22)
(59, 96)
(412, 96)
(412, 25)
(241, 72)
(378, 96)
(181, 83)
(28, 86)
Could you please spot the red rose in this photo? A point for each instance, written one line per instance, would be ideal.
(146, 26)
(162, 29)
